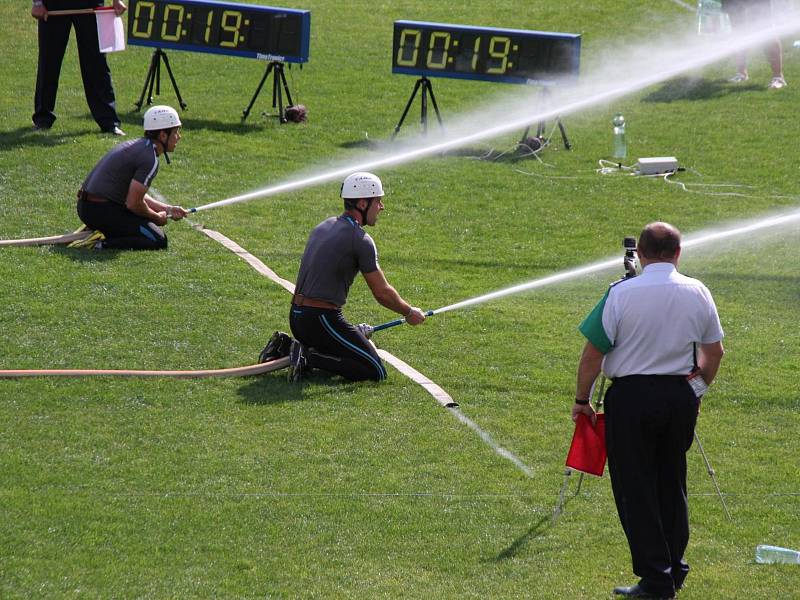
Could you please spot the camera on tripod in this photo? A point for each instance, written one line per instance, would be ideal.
(629, 261)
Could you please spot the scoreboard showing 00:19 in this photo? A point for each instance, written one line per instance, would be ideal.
(485, 53)
(263, 32)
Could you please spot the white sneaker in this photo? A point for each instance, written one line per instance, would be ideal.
(739, 78)
(777, 83)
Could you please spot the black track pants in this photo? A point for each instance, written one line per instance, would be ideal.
(335, 345)
(650, 423)
(123, 229)
(97, 86)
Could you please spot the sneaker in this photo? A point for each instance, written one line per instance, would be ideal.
(93, 240)
(777, 83)
(115, 131)
(297, 362)
(278, 346)
(739, 78)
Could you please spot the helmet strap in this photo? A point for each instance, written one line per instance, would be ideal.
(364, 211)
(163, 145)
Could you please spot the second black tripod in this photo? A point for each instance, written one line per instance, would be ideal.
(424, 84)
(540, 127)
(153, 79)
(278, 82)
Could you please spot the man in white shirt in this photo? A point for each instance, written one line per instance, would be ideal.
(648, 334)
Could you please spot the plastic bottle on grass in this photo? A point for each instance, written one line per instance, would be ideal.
(768, 555)
(711, 19)
(620, 147)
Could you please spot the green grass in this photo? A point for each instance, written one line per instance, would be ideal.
(254, 488)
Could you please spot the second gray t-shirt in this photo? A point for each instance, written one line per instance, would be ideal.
(337, 249)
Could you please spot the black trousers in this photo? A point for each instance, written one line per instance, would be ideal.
(123, 229)
(334, 345)
(97, 86)
(650, 422)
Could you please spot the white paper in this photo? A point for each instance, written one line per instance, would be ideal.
(110, 31)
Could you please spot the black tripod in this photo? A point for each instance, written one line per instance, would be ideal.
(425, 84)
(278, 80)
(153, 79)
(541, 127)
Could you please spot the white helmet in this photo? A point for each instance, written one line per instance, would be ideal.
(161, 117)
(361, 185)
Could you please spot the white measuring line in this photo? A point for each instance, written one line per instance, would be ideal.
(438, 393)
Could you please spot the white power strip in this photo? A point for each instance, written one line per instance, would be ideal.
(657, 165)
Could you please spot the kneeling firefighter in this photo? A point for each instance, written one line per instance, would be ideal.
(338, 249)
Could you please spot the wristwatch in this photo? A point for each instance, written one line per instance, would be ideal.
(581, 402)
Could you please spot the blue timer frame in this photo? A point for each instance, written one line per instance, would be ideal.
(571, 39)
(305, 30)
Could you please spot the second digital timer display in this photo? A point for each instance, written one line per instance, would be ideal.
(485, 53)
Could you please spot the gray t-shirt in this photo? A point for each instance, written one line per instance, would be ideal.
(337, 249)
(112, 175)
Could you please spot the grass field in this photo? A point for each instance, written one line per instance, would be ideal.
(254, 488)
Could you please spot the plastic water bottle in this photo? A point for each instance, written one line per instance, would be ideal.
(768, 555)
(620, 147)
(711, 19)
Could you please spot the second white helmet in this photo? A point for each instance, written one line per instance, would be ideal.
(161, 117)
(361, 185)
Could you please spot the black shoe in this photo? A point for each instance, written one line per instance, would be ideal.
(636, 591)
(278, 346)
(41, 127)
(297, 362)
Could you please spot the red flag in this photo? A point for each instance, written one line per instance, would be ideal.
(587, 453)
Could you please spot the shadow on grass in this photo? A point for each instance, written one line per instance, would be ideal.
(367, 144)
(27, 136)
(534, 531)
(272, 388)
(85, 255)
(544, 523)
(697, 88)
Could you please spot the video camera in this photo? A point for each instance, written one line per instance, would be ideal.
(629, 261)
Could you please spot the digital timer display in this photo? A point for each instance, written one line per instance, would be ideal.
(484, 53)
(263, 32)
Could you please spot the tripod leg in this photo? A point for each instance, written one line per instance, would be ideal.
(712, 475)
(258, 91)
(564, 137)
(286, 87)
(423, 117)
(172, 79)
(276, 93)
(559, 508)
(158, 73)
(408, 106)
(435, 105)
(147, 81)
(525, 135)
